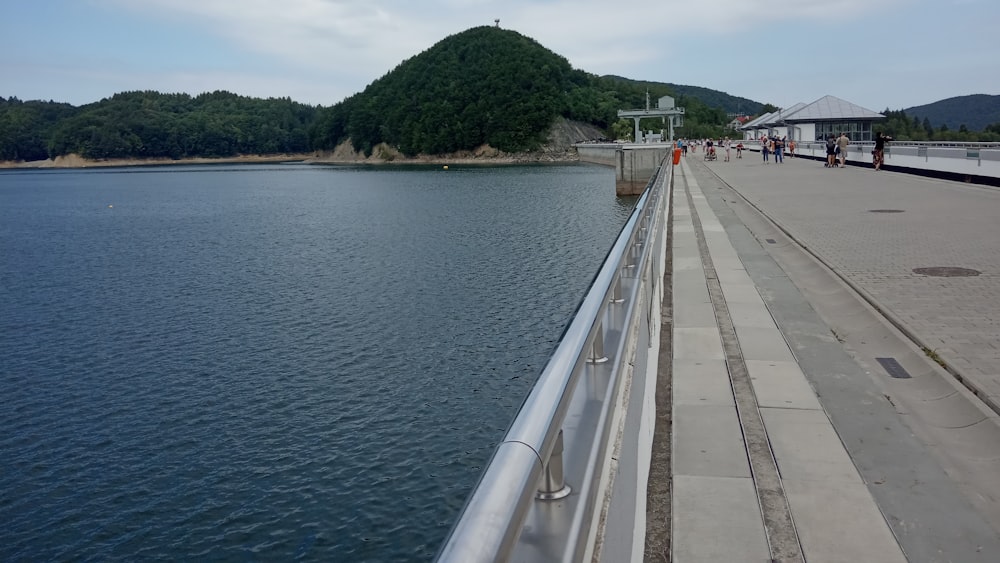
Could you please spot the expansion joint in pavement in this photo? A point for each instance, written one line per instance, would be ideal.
(782, 538)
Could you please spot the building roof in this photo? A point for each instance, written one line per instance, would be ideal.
(758, 121)
(781, 115)
(829, 108)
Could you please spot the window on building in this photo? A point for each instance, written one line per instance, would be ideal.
(857, 131)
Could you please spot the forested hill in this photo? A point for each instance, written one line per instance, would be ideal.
(154, 125)
(482, 86)
(975, 112)
(488, 86)
(713, 98)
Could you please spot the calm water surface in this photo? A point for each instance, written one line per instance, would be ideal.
(274, 362)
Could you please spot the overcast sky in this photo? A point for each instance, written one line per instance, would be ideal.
(874, 53)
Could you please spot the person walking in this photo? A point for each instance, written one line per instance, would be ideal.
(878, 153)
(728, 144)
(763, 147)
(842, 143)
(779, 150)
(831, 151)
(791, 148)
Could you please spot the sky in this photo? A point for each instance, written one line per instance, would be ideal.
(877, 54)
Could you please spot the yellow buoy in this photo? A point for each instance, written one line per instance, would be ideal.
(445, 166)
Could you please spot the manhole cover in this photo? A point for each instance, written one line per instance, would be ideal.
(946, 272)
(885, 210)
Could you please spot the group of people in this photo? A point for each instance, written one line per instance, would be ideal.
(836, 148)
(776, 145)
(711, 146)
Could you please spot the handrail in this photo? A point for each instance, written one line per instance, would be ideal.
(526, 470)
(947, 144)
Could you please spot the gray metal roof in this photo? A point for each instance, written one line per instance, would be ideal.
(758, 121)
(830, 108)
(781, 115)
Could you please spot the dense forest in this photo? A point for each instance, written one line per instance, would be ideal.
(732, 105)
(976, 112)
(493, 86)
(902, 127)
(151, 125)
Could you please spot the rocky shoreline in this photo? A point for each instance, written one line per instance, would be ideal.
(330, 157)
(558, 148)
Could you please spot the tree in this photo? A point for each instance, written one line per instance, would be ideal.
(623, 129)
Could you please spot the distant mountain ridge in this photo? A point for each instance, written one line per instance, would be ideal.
(711, 98)
(975, 111)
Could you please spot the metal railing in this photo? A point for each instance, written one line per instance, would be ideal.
(537, 497)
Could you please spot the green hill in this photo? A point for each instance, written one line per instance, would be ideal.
(711, 98)
(976, 112)
(483, 86)
(490, 86)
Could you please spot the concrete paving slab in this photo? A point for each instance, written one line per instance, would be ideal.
(840, 523)
(702, 382)
(953, 411)
(731, 274)
(685, 252)
(716, 519)
(707, 441)
(758, 343)
(806, 447)
(750, 314)
(687, 263)
(690, 286)
(698, 344)
(689, 276)
(709, 226)
(978, 442)
(693, 314)
(781, 385)
(943, 518)
(741, 294)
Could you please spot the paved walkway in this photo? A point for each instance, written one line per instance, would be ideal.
(805, 426)
(931, 223)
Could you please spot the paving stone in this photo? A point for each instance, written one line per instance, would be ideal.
(716, 519)
(702, 382)
(781, 385)
(806, 446)
(707, 441)
(840, 523)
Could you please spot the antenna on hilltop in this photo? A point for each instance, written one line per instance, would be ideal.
(497, 21)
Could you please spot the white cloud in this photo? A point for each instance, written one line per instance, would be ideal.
(319, 51)
(377, 34)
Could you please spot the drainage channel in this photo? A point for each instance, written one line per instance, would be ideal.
(781, 536)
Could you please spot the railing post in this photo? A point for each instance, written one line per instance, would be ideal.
(616, 291)
(597, 347)
(554, 485)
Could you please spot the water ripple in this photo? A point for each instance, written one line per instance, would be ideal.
(278, 362)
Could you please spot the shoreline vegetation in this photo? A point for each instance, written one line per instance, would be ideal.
(558, 148)
(382, 155)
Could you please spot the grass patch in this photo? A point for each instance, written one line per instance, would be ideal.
(932, 354)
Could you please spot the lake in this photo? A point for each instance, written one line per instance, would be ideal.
(249, 362)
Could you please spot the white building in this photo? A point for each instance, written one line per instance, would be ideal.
(828, 115)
